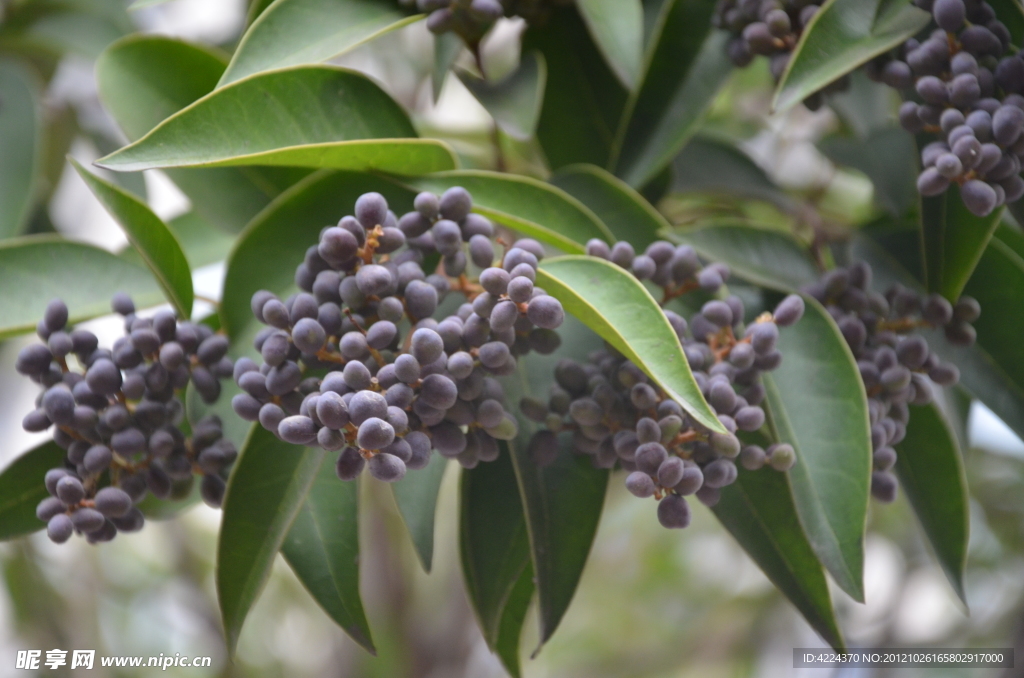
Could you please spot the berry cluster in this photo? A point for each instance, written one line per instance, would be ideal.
(768, 28)
(119, 416)
(387, 400)
(896, 365)
(471, 19)
(619, 417)
(970, 95)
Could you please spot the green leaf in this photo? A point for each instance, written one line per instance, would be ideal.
(322, 548)
(22, 144)
(768, 258)
(142, 80)
(294, 32)
(865, 109)
(256, 8)
(563, 503)
(416, 496)
(953, 240)
(139, 4)
(626, 213)
(267, 252)
(686, 65)
(843, 35)
(308, 116)
(510, 628)
(817, 403)
(619, 308)
(532, 207)
(36, 269)
(150, 237)
(991, 369)
(447, 47)
(888, 158)
(931, 473)
(515, 101)
(583, 100)
(266, 491)
(493, 545)
(617, 28)
(716, 166)
(22, 488)
(758, 511)
(1011, 13)
(202, 243)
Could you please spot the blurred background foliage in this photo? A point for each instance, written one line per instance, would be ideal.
(651, 603)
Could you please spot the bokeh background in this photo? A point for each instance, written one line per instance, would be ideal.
(651, 603)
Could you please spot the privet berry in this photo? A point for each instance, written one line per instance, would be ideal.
(619, 418)
(770, 29)
(118, 413)
(968, 82)
(896, 364)
(398, 382)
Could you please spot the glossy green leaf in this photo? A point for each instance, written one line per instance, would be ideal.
(626, 213)
(952, 241)
(21, 141)
(532, 207)
(764, 257)
(817, 403)
(267, 252)
(256, 8)
(619, 308)
(266, 492)
(843, 35)
(865, 108)
(322, 548)
(711, 165)
(144, 79)
(686, 65)
(931, 473)
(155, 243)
(617, 28)
(563, 501)
(416, 496)
(447, 47)
(133, 182)
(21, 489)
(889, 159)
(36, 269)
(493, 545)
(515, 101)
(294, 32)
(510, 628)
(758, 511)
(583, 100)
(308, 116)
(563, 505)
(991, 370)
(1011, 237)
(202, 242)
